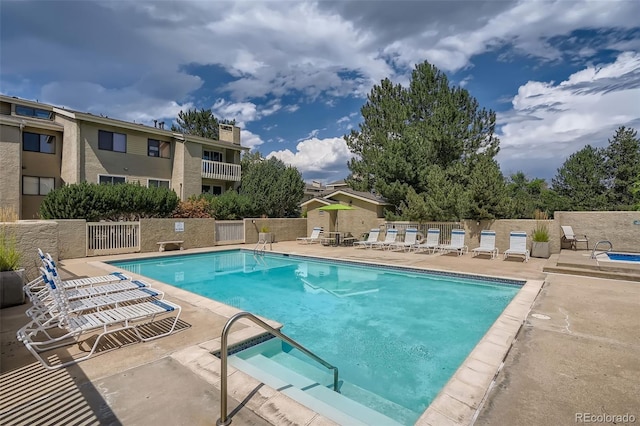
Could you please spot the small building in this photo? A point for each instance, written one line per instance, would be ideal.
(43, 147)
(368, 211)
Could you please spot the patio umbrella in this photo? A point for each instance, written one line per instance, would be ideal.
(333, 208)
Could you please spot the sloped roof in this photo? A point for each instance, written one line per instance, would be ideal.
(325, 197)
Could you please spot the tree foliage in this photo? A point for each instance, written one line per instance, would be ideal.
(274, 188)
(95, 202)
(200, 123)
(622, 163)
(429, 137)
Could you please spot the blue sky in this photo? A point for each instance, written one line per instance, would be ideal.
(560, 74)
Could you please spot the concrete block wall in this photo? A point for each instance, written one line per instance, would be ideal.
(504, 227)
(29, 236)
(197, 233)
(72, 238)
(617, 227)
(286, 229)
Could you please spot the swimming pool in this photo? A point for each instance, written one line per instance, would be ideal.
(400, 334)
(624, 257)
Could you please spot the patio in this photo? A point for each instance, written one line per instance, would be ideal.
(583, 358)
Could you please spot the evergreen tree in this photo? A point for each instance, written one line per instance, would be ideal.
(407, 132)
(199, 123)
(274, 188)
(582, 180)
(623, 166)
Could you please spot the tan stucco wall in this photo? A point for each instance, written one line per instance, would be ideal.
(503, 228)
(134, 164)
(72, 153)
(197, 233)
(72, 238)
(282, 229)
(10, 168)
(617, 227)
(31, 235)
(192, 169)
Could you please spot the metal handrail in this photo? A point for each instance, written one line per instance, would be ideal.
(224, 420)
(594, 255)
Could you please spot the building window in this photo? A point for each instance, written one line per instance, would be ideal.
(212, 189)
(158, 183)
(111, 180)
(110, 141)
(36, 142)
(33, 112)
(158, 148)
(212, 156)
(32, 185)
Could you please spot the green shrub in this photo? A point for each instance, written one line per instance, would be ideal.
(193, 208)
(540, 233)
(9, 254)
(95, 202)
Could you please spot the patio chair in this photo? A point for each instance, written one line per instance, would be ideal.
(517, 245)
(44, 310)
(389, 237)
(432, 242)
(571, 238)
(372, 238)
(105, 322)
(410, 240)
(487, 244)
(456, 244)
(313, 238)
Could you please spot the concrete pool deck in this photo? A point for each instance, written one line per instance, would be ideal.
(583, 359)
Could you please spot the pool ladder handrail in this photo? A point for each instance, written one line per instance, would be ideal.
(224, 420)
(595, 255)
(261, 247)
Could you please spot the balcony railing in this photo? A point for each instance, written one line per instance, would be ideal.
(220, 171)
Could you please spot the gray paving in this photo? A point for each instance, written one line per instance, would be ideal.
(584, 358)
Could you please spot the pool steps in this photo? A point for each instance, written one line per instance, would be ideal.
(303, 382)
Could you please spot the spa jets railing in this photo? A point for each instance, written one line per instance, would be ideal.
(224, 420)
(595, 255)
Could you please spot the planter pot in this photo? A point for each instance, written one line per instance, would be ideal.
(11, 288)
(267, 237)
(540, 249)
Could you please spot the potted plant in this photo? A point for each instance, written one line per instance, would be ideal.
(265, 234)
(11, 275)
(540, 237)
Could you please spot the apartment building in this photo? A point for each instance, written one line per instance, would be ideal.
(43, 147)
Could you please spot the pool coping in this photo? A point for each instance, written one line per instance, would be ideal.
(457, 403)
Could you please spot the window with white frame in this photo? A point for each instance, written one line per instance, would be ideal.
(212, 156)
(35, 142)
(111, 141)
(156, 148)
(34, 185)
(212, 189)
(157, 183)
(111, 180)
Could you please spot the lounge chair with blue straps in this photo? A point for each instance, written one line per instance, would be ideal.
(457, 243)
(487, 244)
(517, 245)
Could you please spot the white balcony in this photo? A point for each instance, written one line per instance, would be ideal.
(220, 171)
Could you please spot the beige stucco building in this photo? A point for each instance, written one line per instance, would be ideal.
(43, 147)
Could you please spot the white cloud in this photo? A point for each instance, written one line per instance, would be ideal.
(550, 121)
(243, 112)
(318, 158)
(250, 139)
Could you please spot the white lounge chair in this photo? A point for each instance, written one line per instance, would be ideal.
(44, 310)
(372, 238)
(389, 237)
(456, 244)
(104, 322)
(313, 238)
(410, 240)
(487, 244)
(571, 238)
(432, 242)
(517, 245)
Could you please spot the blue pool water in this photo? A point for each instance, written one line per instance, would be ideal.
(624, 257)
(398, 334)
